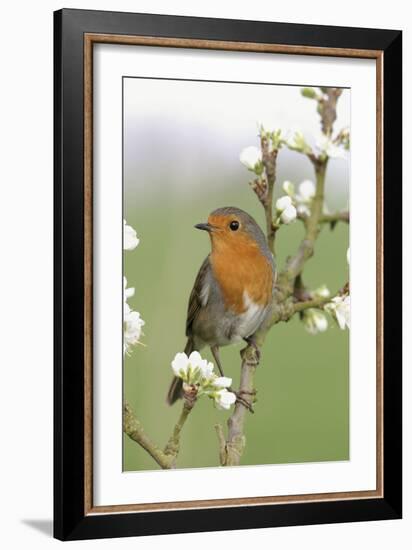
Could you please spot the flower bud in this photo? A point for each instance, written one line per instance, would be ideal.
(298, 143)
(288, 188)
(288, 215)
(308, 92)
(307, 190)
(315, 321)
(283, 202)
(251, 157)
(328, 148)
(322, 292)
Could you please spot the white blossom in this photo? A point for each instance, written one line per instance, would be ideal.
(191, 369)
(130, 240)
(289, 214)
(283, 202)
(288, 188)
(180, 365)
(322, 292)
(132, 322)
(296, 141)
(304, 197)
(286, 210)
(251, 157)
(348, 256)
(197, 373)
(339, 307)
(315, 321)
(224, 399)
(327, 147)
(306, 191)
(206, 369)
(222, 382)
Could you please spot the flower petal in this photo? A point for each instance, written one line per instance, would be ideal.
(222, 382)
(307, 190)
(180, 364)
(224, 399)
(288, 215)
(206, 369)
(195, 359)
(130, 240)
(250, 157)
(283, 202)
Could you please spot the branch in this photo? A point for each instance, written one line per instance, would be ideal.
(334, 218)
(317, 302)
(173, 445)
(264, 185)
(294, 265)
(231, 449)
(222, 444)
(327, 108)
(133, 428)
(236, 440)
(269, 162)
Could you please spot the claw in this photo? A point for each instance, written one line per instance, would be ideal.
(244, 402)
(251, 342)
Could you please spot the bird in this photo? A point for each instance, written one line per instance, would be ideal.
(233, 292)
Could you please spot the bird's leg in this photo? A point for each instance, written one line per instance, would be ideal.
(216, 355)
(245, 403)
(250, 340)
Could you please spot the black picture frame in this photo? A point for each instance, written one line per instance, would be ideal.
(71, 522)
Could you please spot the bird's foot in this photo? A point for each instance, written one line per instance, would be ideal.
(250, 356)
(252, 343)
(243, 401)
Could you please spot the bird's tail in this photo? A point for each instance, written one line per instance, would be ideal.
(175, 390)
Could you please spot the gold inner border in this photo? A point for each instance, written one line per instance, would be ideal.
(89, 40)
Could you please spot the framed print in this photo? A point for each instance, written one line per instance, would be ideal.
(227, 272)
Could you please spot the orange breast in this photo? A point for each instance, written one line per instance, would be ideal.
(239, 269)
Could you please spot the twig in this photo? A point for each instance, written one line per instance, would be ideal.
(173, 445)
(295, 265)
(133, 428)
(327, 108)
(334, 218)
(317, 302)
(269, 161)
(264, 185)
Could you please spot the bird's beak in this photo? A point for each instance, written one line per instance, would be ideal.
(204, 227)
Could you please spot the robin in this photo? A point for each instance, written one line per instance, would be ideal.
(232, 295)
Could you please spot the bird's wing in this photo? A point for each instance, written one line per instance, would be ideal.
(199, 295)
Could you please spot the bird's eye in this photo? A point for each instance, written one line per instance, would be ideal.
(234, 226)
